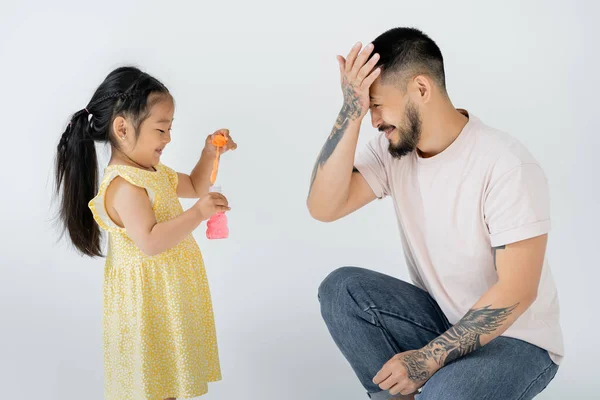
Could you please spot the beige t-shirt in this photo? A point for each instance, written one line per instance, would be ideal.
(485, 190)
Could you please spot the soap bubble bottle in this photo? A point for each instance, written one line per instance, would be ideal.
(216, 227)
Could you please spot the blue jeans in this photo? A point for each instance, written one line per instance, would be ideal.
(372, 317)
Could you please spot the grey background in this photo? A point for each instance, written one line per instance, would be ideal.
(267, 71)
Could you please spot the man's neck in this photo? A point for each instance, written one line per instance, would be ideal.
(441, 129)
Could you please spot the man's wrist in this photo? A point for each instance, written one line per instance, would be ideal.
(356, 120)
(433, 360)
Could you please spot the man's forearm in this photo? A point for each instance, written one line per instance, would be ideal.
(333, 169)
(493, 314)
(349, 116)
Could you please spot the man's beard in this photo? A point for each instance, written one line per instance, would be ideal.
(409, 133)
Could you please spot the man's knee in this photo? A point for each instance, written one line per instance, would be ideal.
(341, 307)
(336, 283)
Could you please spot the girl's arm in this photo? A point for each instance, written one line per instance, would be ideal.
(129, 206)
(196, 184)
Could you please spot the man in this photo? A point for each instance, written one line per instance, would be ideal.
(482, 318)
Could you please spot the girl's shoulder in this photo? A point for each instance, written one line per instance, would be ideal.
(136, 171)
(161, 179)
(116, 175)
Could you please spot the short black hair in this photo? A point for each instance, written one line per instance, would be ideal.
(406, 52)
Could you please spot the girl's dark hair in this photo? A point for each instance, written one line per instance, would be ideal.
(126, 92)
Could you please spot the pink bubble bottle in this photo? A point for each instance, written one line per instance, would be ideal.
(216, 227)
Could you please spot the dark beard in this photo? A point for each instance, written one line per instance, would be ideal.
(409, 134)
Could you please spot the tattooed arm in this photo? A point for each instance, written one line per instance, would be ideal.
(335, 190)
(519, 267)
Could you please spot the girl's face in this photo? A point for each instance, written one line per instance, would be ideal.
(154, 134)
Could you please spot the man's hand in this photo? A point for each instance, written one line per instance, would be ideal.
(357, 75)
(406, 372)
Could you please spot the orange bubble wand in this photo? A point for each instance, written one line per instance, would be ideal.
(219, 141)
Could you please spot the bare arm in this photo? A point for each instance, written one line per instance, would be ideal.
(359, 195)
(519, 267)
(130, 207)
(336, 190)
(196, 184)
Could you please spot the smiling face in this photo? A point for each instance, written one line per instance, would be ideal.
(397, 116)
(146, 148)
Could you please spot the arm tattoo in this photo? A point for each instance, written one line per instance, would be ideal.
(350, 111)
(495, 249)
(464, 337)
(416, 365)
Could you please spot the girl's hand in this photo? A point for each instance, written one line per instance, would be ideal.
(211, 204)
(211, 149)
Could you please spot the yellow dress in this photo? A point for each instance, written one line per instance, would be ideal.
(158, 325)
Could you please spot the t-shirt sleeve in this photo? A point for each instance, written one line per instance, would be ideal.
(517, 205)
(370, 162)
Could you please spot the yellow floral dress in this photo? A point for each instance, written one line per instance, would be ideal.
(159, 333)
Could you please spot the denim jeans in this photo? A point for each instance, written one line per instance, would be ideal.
(372, 317)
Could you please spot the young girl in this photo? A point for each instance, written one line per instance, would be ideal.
(159, 334)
